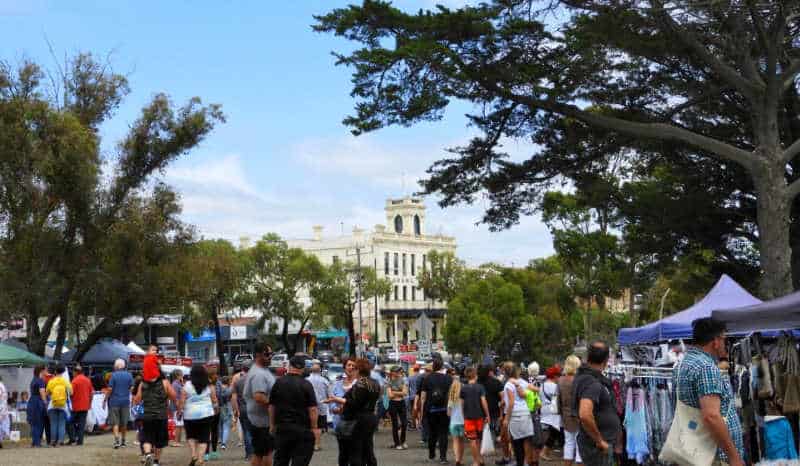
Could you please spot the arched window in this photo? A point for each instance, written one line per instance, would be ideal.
(417, 226)
(398, 224)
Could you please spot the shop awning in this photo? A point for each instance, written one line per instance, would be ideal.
(205, 335)
(330, 333)
(11, 356)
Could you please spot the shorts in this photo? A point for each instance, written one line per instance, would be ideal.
(154, 432)
(473, 428)
(119, 416)
(457, 430)
(262, 441)
(571, 452)
(198, 429)
(322, 422)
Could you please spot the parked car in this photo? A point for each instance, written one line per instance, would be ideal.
(325, 356)
(334, 371)
(279, 364)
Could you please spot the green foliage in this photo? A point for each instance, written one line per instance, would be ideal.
(443, 276)
(488, 313)
(75, 241)
(655, 91)
(336, 294)
(276, 277)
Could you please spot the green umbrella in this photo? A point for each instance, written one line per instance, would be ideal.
(10, 356)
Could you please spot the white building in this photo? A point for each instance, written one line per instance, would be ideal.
(398, 250)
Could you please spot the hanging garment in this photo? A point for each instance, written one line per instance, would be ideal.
(637, 443)
(778, 439)
(662, 420)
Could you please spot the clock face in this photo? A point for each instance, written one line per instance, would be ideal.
(398, 224)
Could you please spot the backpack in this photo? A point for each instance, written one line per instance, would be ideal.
(438, 396)
(532, 400)
(59, 395)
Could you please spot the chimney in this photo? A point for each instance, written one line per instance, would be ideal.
(318, 232)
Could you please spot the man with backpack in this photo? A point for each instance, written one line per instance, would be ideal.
(59, 390)
(435, 389)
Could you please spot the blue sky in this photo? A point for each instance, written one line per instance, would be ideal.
(283, 161)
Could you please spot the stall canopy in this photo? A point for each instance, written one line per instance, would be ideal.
(779, 314)
(136, 349)
(103, 353)
(11, 356)
(726, 294)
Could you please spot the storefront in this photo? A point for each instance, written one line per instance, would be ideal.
(201, 347)
(238, 339)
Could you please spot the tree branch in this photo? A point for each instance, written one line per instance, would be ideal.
(794, 189)
(749, 89)
(791, 152)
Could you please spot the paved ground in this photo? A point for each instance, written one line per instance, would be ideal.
(98, 452)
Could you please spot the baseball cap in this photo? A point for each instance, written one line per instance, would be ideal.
(298, 361)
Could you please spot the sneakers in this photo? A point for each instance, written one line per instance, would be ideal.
(213, 455)
(116, 444)
(122, 445)
(502, 462)
(223, 446)
(148, 460)
(206, 457)
(443, 461)
(398, 447)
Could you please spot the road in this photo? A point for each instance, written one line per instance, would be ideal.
(97, 451)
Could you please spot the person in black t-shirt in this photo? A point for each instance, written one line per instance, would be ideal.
(435, 388)
(599, 422)
(293, 415)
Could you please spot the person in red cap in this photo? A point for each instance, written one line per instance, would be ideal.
(551, 416)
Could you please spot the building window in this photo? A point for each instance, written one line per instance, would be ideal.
(388, 296)
(335, 260)
(386, 263)
(405, 295)
(388, 332)
(413, 293)
(413, 264)
(404, 265)
(396, 292)
(433, 335)
(422, 290)
(417, 226)
(424, 262)
(396, 264)
(398, 224)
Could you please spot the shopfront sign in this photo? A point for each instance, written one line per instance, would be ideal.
(238, 332)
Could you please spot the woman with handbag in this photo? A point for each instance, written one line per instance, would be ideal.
(337, 401)
(359, 422)
(551, 419)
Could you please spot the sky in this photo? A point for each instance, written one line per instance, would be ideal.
(283, 161)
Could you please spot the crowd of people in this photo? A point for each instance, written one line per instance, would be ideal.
(281, 420)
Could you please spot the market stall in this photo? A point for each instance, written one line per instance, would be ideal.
(101, 355)
(726, 294)
(15, 367)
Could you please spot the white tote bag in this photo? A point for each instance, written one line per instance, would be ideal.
(487, 442)
(689, 442)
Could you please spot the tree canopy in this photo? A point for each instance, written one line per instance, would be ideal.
(590, 82)
(78, 239)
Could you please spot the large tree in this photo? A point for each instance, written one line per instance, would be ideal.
(712, 81)
(278, 276)
(62, 209)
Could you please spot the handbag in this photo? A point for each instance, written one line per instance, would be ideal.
(345, 428)
(487, 442)
(689, 442)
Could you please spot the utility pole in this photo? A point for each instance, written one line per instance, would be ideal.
(360, 350)
(375, 264)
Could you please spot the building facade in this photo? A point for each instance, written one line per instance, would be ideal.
(398, 250)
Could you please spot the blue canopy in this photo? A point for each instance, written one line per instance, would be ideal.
(726, 294)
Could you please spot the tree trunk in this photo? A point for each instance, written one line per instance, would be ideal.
(223, 366)
(351, 331)
(61, 336)
(38, 339)
(285, 338)
(773, 229)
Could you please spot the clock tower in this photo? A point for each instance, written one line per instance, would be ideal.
(405, 216)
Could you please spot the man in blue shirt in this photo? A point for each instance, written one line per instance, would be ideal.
(118, 401)
(700, 384)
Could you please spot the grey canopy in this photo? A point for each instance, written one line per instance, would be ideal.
(779, 314)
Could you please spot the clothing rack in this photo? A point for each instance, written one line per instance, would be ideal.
(645, 372)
